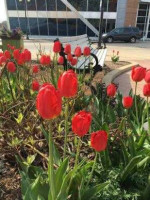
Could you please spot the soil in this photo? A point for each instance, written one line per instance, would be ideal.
(9, 174)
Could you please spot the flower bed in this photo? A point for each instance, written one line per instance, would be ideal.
(66, 144)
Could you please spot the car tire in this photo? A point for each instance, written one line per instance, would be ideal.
(110, 40)
(133, 39)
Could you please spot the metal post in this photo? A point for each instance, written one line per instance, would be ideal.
(101, 24)
(25, 7)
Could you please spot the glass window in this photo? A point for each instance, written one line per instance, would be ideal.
(141, 20)
(112, 6)
(23, 24)
(80, 5)
(106, 2)
(72, 27)
(52, 27)
(90, 32)
(95, 23)
(61, 6)
(31, 5)
(41, 5)
(20, 4)
(110, 25)
(33, 26)
(43, 26)
(94, 5)
(62, 27)
(51, 5)
(143, 6)
(14, 22)
(11, 4)
(81, 27)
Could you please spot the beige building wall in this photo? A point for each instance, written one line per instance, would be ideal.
(131, 12)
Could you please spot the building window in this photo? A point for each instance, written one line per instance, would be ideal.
(51, 5)
(23, 25)
(52, 27)
(61, 6)
(31, 5)
(20, 5)
(13, 22)
(94, 5)
(142, 18)
(33, 26)
(41, 5)
(110, 24)
(72, 27)
(112, 6)
(43, 26)
(11, 5)
(80, 5)
(62, 27)
(81, 27)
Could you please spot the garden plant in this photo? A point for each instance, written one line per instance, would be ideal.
(67, 145)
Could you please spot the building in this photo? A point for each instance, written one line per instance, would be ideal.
(76, 17)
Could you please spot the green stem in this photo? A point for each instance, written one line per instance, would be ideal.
(66, 127)
(93, 168)
(11, 91)
(77, 153)
(136, 104)
(148, 116)
(51, 166)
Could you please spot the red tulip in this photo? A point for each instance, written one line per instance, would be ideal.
(57, 47)
(127, 102)
(49, 102)
(27, 54)
(74, 61)
(16, 54)
(7, 54)
(45, 60)
(138, 73)
(111, 90)
(99, 140)
(86, 51)
(68, 84)
(67, 49)
(147, 76)
(11, 67)
(81, 123)
(146, 90)
(1, 54)
(35, 85)
(69, 57)
(35, 69)
(61, 60)
(2, 60)
(21, 59)
(77, 51)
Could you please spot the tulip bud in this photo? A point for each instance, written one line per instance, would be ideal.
(138, 73)
(77, 51)
(67, 49)
(127, 102)
(11, 67)
(68, 84)
(35, 85)
(86, 51)
(99, 140)
(57, 47)
(61, 60)
(81, 123)
(111, 90)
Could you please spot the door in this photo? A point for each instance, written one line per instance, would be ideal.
(118, 34)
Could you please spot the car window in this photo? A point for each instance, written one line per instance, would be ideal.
(127, 30)
(120, 30)
(136, 30)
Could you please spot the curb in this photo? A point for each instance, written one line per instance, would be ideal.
(108, 79)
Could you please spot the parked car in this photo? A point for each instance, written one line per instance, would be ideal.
(127, 34)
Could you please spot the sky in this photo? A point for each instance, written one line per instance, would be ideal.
(2, 11)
